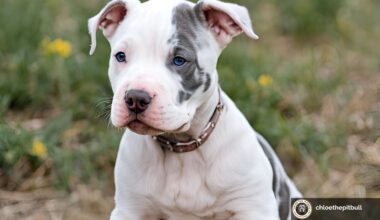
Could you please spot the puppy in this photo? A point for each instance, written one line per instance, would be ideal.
(188, 153)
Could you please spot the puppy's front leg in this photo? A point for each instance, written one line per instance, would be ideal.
(254, 215)
(125, 215)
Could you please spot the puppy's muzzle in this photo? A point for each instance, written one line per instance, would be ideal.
(137, 101)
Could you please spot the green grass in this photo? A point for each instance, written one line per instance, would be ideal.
(302, 47)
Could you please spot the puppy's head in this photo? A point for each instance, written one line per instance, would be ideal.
(163, 58)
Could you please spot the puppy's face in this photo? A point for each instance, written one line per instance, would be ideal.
(163, 58)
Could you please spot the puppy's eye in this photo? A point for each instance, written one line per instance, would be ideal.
(120, 57)
(179, 61)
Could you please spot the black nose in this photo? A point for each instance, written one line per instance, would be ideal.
(137, 100)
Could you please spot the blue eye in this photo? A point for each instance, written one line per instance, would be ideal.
(120, 57)
(179, 61)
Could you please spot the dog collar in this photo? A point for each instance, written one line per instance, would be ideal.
(183, 147)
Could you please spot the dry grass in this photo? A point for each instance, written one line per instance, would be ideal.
(83, 203)
(353, 173)
(353, 170)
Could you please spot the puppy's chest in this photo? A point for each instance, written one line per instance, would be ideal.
(186, 185)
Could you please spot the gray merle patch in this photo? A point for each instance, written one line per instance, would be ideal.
(189, 30)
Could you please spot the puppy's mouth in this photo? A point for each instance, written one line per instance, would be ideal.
(142, 128)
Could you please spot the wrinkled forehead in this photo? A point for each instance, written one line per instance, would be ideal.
(158, 23)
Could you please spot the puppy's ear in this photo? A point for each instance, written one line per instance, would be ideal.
(225, 20)
(108, 19)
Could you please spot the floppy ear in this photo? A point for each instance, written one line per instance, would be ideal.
(108, 19)
(225, 20)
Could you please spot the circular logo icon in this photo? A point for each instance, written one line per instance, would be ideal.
(301, 209)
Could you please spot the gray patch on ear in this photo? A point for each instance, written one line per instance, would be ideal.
(186, 40)
(199, 13)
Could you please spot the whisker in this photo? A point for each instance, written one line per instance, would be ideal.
(103, 108)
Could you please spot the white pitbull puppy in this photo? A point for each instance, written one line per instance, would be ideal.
(188, 153)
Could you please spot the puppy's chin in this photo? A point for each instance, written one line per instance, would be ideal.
(143, 129)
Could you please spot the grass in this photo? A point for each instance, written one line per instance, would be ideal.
(62, 93)
(320, 59)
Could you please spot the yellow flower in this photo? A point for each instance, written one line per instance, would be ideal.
(39, 149)
(57, 46)
(265, 80)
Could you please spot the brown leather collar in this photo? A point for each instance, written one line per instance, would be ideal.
(183, 147)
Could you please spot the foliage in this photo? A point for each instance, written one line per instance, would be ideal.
(307, 18)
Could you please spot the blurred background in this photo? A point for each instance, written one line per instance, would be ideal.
(310, 85)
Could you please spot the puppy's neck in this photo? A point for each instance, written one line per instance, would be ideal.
(201, 118)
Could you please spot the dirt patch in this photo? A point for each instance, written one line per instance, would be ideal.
(47, 204)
